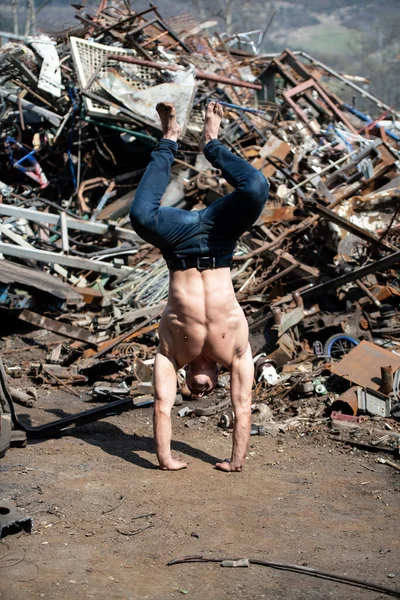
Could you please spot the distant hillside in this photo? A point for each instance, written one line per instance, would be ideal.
(329, 26)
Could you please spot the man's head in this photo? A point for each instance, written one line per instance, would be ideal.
(202, 376)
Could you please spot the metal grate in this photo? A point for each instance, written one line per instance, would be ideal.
(89, 56)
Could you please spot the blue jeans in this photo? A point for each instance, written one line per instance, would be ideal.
(211, 232)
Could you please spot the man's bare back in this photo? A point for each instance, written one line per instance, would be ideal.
(202, 325)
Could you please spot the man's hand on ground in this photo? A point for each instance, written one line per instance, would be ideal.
(228, 466)
(172, 465)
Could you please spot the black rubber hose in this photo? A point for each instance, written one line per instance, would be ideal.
(297, 569)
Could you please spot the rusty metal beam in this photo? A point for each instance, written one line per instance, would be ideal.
(364, 234)
(378, 265)
(198, 73)
(70, 331)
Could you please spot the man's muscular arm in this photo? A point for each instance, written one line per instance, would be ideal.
(242, 372)
(164, 399)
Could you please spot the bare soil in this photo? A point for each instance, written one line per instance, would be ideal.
(302, 499)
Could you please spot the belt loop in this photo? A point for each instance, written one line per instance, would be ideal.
(183, 263)
(213, 262)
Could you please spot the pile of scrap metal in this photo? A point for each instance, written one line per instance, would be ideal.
(318, 272)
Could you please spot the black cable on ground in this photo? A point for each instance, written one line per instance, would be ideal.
(296, 569)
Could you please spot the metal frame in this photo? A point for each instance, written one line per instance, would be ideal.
(363, 92)
(312, 84)
(358, 89)
(373, 402)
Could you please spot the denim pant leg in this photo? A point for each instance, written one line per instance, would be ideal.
(144, 213)
(235, 213)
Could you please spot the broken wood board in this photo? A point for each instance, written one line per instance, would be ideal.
(91, 295)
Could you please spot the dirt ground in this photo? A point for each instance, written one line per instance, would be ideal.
(302, 499)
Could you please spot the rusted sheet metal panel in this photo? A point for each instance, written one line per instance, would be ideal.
(271, 214)
(362, 365)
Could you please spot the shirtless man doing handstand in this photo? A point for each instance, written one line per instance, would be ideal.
(202, 325)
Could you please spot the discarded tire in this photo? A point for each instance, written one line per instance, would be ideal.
(338, 345)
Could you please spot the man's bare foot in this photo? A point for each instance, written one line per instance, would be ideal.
(214, 114)
(228, 466)
(169, 124)
(172, 465)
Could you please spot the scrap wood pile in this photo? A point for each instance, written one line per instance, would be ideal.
(316, 275)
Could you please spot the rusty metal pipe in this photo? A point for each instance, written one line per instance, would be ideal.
(88, 185)
(368, 293)
(199, 74)
(22, 398)
(387, 380)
